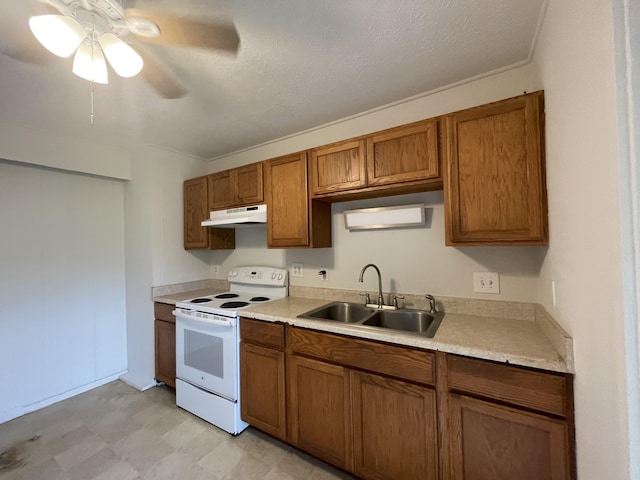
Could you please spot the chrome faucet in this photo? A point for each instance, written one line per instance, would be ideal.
(432, 304)
(380, 297)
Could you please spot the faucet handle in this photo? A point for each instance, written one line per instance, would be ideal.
(396, 298)
(432, 303)
(367, 297)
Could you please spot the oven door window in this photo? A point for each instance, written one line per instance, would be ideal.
(204, 353)
(207, 356)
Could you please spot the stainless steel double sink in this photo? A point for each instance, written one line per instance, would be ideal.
(418, 322)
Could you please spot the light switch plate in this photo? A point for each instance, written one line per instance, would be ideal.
(486, 282)
(297, 269)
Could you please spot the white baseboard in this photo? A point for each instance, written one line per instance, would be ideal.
(140, 383)
(23, 410)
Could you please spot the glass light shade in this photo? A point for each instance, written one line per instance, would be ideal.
(124, 59)
(59, 34)
(90, 67)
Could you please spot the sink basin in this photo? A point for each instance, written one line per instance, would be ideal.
(416, 321)
(344, 312)
(419, 322)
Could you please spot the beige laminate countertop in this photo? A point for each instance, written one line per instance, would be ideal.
(518, 342)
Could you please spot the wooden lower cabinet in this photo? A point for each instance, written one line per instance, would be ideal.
(394, 429)
(262, 389)
(319, 412)
(165, 344)
(383, 411)
(494, 442)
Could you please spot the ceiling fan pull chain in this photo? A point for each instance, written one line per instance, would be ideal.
(93, 34)
(91, 113)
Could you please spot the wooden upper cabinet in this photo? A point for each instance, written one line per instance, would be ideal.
(236, 187)
(249, 184)
(292, 220)
(339, 166)
(196, 210)
(220, 190)
(404, 154)
(398, 160)
(495, 190)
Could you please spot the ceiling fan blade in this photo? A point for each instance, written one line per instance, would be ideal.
(158, 76)
(216, 35)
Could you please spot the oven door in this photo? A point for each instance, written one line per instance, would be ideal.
(207, 352)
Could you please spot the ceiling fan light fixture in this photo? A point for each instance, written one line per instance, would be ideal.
(124, 59)
(90, 65)
(59, 34)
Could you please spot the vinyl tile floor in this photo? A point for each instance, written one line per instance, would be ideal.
(116, 432)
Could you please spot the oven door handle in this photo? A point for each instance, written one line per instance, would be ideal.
(209, 319)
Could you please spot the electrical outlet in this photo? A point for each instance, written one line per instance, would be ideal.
(216, 269)
(486, 282)
(297, 269)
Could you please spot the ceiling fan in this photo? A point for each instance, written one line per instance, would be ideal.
(94, 29)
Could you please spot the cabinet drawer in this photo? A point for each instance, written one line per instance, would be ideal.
(163, 311)
(396, 361)
(546, 392)
(262, 333)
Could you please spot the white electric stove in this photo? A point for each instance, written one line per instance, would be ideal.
(207, 344)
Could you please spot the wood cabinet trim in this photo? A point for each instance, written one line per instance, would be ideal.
(164, 311)
(545, 392)
(392, 360)
(262, 333)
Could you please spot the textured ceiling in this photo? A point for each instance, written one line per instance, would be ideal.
(301, 63)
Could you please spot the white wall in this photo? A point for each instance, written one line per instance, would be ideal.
(411, 260)
(61, 285)
(154, 247)
(38, 147)
(575, 60)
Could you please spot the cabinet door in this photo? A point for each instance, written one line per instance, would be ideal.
(319, 410)
(165, 342)
(337, 167)
(495, 189)
(394, 427)
(492, 442)
(287, 201)
(221, 193)
(195, 211)
(248, 184)
(262, 389)
(404, 154)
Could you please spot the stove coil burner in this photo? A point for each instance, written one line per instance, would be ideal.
(259, 299)
(200, 300)
(234, 304)
(227, 295)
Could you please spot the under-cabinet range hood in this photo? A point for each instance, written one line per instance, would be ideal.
(237, 217)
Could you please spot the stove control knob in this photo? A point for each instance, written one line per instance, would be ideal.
(233, 273)
(273, 275)
(280, 276)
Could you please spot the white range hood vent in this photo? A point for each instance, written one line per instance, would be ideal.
(237, 217)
